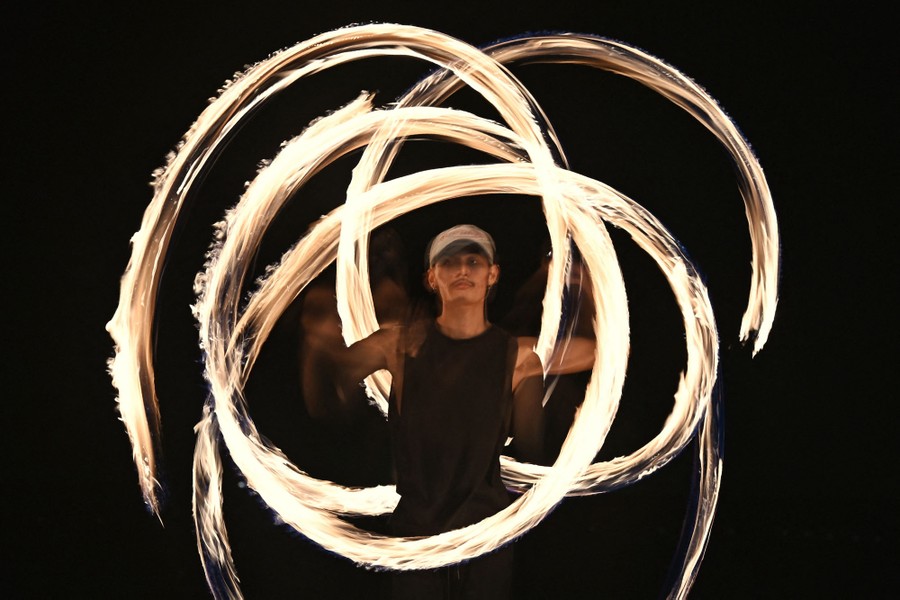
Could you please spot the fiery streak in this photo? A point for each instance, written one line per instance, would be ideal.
(575, 207)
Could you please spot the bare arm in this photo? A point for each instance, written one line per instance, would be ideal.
(575, 357)
(578, 353)
(331, 371)
(528, 411)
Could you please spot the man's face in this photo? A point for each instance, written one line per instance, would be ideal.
(462, 277)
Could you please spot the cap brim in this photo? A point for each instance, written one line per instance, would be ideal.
(457, 246)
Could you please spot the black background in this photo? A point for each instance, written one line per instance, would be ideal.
(97, 93)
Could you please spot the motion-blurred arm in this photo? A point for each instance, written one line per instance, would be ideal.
(332, 372)
(528, 419)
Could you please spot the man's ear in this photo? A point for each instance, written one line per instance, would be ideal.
(494, 274)
(429, 280)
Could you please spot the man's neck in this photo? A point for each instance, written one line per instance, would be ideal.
(462, 322)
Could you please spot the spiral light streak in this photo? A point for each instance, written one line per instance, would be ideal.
(576, 208)
(631, 62)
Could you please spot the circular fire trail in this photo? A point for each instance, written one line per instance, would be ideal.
(527, 160)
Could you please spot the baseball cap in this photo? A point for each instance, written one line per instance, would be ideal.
(456, 238)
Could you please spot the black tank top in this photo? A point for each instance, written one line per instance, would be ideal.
(449, 430)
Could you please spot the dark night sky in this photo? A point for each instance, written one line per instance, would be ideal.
(100, 92)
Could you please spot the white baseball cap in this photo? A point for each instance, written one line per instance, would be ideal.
(456, 238)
